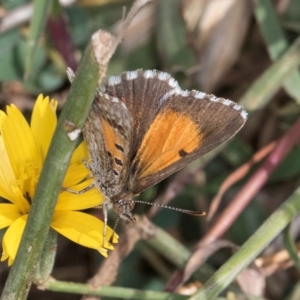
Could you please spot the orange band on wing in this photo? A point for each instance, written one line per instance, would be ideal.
(113, 139)
(170, 137)
(109, 135)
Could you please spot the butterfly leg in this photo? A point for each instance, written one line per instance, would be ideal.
(89, 187)
(87, 165)
(105, 206)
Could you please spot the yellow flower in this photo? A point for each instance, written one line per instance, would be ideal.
(23, 149)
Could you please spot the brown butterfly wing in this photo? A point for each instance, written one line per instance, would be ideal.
(170, 127)
(187, 125)
(141, 92)
(108, 133)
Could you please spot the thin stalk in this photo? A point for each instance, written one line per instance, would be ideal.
(113, 291)
(251, 249)
(35, 234)
(263, 89)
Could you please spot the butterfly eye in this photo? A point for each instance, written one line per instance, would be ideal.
(123, 208)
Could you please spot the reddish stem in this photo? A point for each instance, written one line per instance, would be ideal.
(254, 184)
(58, 30)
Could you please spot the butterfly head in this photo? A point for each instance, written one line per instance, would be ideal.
(123, 208)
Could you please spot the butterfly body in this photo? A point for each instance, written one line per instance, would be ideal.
(142, 128)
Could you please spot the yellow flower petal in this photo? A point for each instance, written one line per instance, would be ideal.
(18, 140)
(7, 176)
(70, 201)
(80, 153)
(9, 188)
(21, 149)
(75, 174)
(9, 213)
(83, 229)
(43, 123)
(12, 238)
(22, 152)
(77, 170)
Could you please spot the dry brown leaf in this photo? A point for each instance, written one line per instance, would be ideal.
(252, 281)
(274, 262)
(217, 31)
(190, 288)
(140, 30)
(237, 175)
(198, 257)
(107, 273)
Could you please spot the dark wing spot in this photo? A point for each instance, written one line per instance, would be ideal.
(118, 162)
(114, 124)
(109, 154)
(121, 130)
(115, 172)
(108, 120)
(120, 148)
(182, 153)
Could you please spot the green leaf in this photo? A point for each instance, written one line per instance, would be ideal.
(37, 24)
(10, 69)
(289, 168)
(9, 4)
(264, 87)
(79, 25)
(171, 36)
(276, 42)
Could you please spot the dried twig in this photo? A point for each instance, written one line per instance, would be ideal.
(237, 175)
(106, 274)
(197, 258)
(254, 184)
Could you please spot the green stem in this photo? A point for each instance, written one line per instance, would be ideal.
(264, 87)
(175, 252)
(107, 291)
(35, 234)
(251, 249)
(46, 262)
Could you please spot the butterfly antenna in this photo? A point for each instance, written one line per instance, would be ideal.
(185, 211)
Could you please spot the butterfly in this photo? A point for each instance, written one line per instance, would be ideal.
(142, 127)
